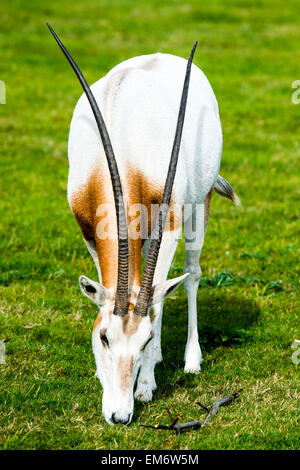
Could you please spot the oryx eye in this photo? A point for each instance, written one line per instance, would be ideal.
(104, 339)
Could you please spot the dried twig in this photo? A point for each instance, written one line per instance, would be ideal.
(211, 410)
(177, 427)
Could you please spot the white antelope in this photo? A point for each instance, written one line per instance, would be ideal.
(139, 99)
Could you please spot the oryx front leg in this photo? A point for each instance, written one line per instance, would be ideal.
(193, 246)
(146, 381)
(146, 384)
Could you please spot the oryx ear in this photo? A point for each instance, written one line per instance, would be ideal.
(164, 289)
(93, 290)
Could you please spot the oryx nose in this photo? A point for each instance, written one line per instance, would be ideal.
(115, 419)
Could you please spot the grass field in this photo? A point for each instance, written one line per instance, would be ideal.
(247, 300)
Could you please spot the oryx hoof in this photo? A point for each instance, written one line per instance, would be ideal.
(144, 392)
(193, 359)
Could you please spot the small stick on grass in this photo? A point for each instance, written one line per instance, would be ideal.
(177, 427)
(214, 408)
(211, 410)
(173, 420)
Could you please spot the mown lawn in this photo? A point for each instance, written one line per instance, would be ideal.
(248, 307)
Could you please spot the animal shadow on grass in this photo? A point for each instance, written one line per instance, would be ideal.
(223, 319)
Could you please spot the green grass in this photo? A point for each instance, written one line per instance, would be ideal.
(247, 301)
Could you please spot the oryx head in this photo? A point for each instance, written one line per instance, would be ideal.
(124, 326)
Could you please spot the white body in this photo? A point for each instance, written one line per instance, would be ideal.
(139, 100)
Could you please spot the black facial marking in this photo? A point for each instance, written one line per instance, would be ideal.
(148, 341)
(104, 339)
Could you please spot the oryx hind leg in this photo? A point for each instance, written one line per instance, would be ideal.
(194, 231)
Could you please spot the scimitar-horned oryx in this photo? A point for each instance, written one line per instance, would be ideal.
(139, 99)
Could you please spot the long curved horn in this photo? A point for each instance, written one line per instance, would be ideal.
(141, 307)
(121, 302)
